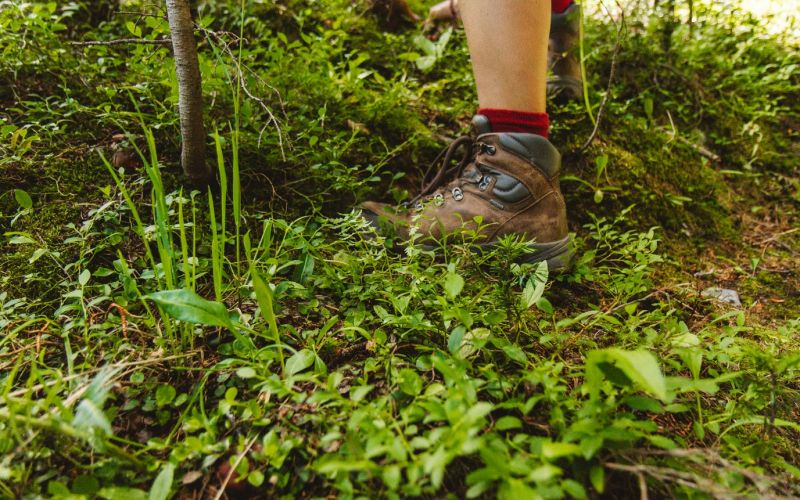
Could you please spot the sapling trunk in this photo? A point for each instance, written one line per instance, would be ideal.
(190, 93)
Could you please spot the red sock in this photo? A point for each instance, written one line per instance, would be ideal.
(506, 120)
(559, 6)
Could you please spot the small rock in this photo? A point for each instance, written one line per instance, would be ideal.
(725, 295)
(127, 159)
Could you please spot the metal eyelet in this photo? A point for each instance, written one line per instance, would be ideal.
(488, 149)
(438, 200)
(484, 182)
(458, 194)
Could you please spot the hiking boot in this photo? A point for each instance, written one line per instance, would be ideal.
(508, 180)
(566, 82)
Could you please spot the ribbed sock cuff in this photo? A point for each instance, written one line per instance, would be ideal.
(559, 6)
(506, 120)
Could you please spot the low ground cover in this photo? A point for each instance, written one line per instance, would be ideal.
(249, 340)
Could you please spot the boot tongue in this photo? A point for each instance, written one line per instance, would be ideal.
(481, 125)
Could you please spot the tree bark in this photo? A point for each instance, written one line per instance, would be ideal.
(190, 93)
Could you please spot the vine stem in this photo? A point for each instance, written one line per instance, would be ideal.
(611, 75)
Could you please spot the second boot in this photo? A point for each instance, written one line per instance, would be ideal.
(566, 82)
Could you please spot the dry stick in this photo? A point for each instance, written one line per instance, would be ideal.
(701, 150)
(123, 41)
(142, 14)
(642, 487)
(666, 474)
(235, 464)
(611, 74)
(240, 77)
(761, 482)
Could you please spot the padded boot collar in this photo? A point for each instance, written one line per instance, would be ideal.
(531, 147)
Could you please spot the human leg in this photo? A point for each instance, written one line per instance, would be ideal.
(508, 47)
(566, 80)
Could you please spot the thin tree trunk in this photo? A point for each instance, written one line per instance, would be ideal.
(190, 93)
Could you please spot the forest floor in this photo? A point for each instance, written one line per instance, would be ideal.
(249, 341)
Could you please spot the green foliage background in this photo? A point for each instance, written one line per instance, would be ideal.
(159, 340)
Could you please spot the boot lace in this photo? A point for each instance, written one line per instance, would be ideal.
(445, 171)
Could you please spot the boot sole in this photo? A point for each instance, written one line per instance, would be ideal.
(558, 254)
(564, 88)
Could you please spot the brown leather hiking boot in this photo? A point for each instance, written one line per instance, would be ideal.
(566, 82)
(507, 180)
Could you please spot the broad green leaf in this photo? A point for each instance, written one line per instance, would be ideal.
(122, 493)
(306, 270)
(90, 418)
(473, 341)
(639, 367)
(57, 488)
(357, 393)
(477, 411)
(507, 422)
(300, 361)
(574, 489)
(266, 303)
(391, 476)
(515, 353)
(163, 483)
(545, 306)
(435, 464)
(513, 489)
(256, 478)
(20, 239)
(643, 403)
(98, 390)
(558, 450)
(245, 372)
(692, 357)
(23, 198)
(186, 305)
(534, 288)
(165, 394)
(597, 475)
(85, 485)
(453, 284)
(425, 45)
(455, 339)
(409, 382)
(590, 444)
(544, 473)
(662, 442)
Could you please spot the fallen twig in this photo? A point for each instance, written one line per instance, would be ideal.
(702, 150)
(235, 464)
(243, 84)
(124, 41)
